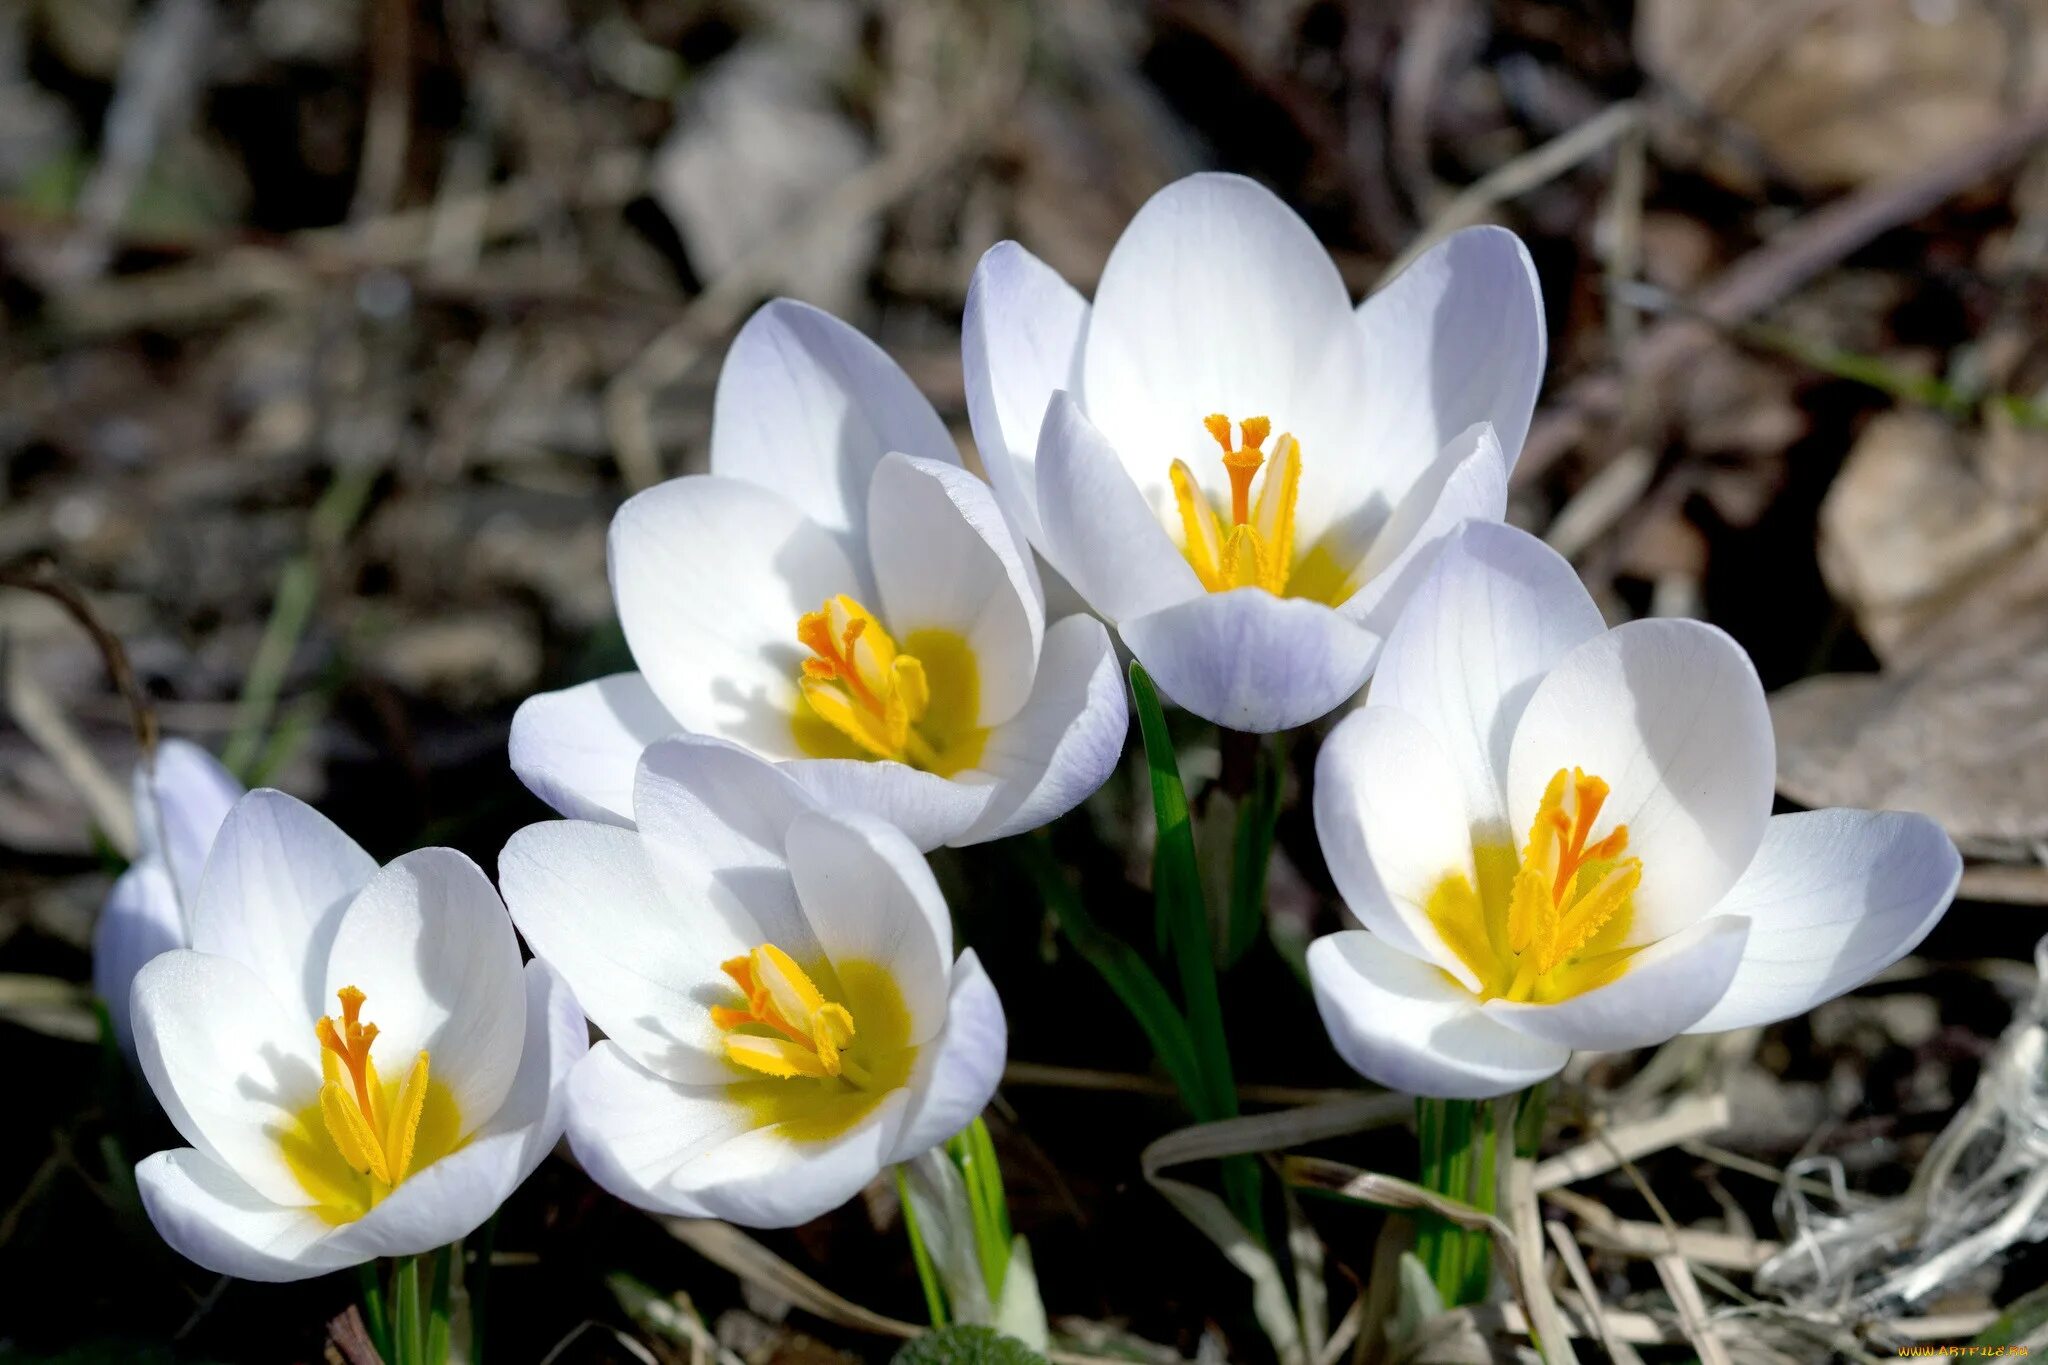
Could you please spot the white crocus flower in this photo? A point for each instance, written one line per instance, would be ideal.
(358, 1059)
(181, 795)
(1559, 837)
(838, 595)
(784, 1014)
(1227, 461)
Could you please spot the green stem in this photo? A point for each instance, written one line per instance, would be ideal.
(921, 1256)
(1124, 970)
(1429, 1229)
(973, 1155)
(1529, 1116)
(1456, 1171)
(479, 1287)
(1252, 850)
(408, 1335)
(1479, 1246)
(1183, 919)
(375, 1318)
(447, 1264)
(291, 610)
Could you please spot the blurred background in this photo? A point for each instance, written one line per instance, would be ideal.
(336, 329)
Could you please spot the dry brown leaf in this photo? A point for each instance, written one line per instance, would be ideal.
(1836, 93)
(1938, 540)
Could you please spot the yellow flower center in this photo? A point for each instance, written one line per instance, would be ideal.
(918, 704)
(1549, 925)
(363, 1136)
(798, 1026)
(787, 1028)
(1255, 547)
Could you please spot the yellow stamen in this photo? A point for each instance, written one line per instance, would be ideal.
(806, 1034)
(1255, 547)
(350, 1113)
(1550, 923)
(887, 700)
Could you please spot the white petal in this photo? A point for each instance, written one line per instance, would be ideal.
(590, 906)
(233, 1067)
(1101, 533)
(807, 406)
(1469, 481)
(1020, 339)
(1456, 338)
(1248, 660)
(430, 946)
(1671, 715)
(437, 1204)
(698, 1152)
(956, 1073)
(1218, 298)
(180, 801)
(1065, 742)
(275, 885)
(577, 749)
(1497, 611)
(1401, 1022)
(557, 1037)
(944, 560)
(139, 921)
(1833, 898)
(714, 820)
(871, 898)
(929, 809)
(1392, 824)
(710, 576)
(632, 1130)
(1668, 987)
(211, 1217)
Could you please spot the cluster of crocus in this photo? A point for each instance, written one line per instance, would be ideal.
(1557, 836)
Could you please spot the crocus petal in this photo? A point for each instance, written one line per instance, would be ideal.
(274, 888)
(557, 1037)
(437, 1204)
(1671, 715)
(1020, 339)
(807, 406)
(1401, 1022)
(931, 810)
(1218, 298)
(1065, 742)
(1391, 821)
(233, 1066)
(944, 560)
(590, 906)
(714, 820)
(431, 948)
(710, 576)
(700, 1152)
(211, 1217)
(1496, 612)
(181, 798)
(1456, 338)
(871, 898)
(1100, 532)
(1832, 899)
(956, 1073)
(1248, 660)
(140, 920)
(1667, 989)
(577, 749)
(1468, 482)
